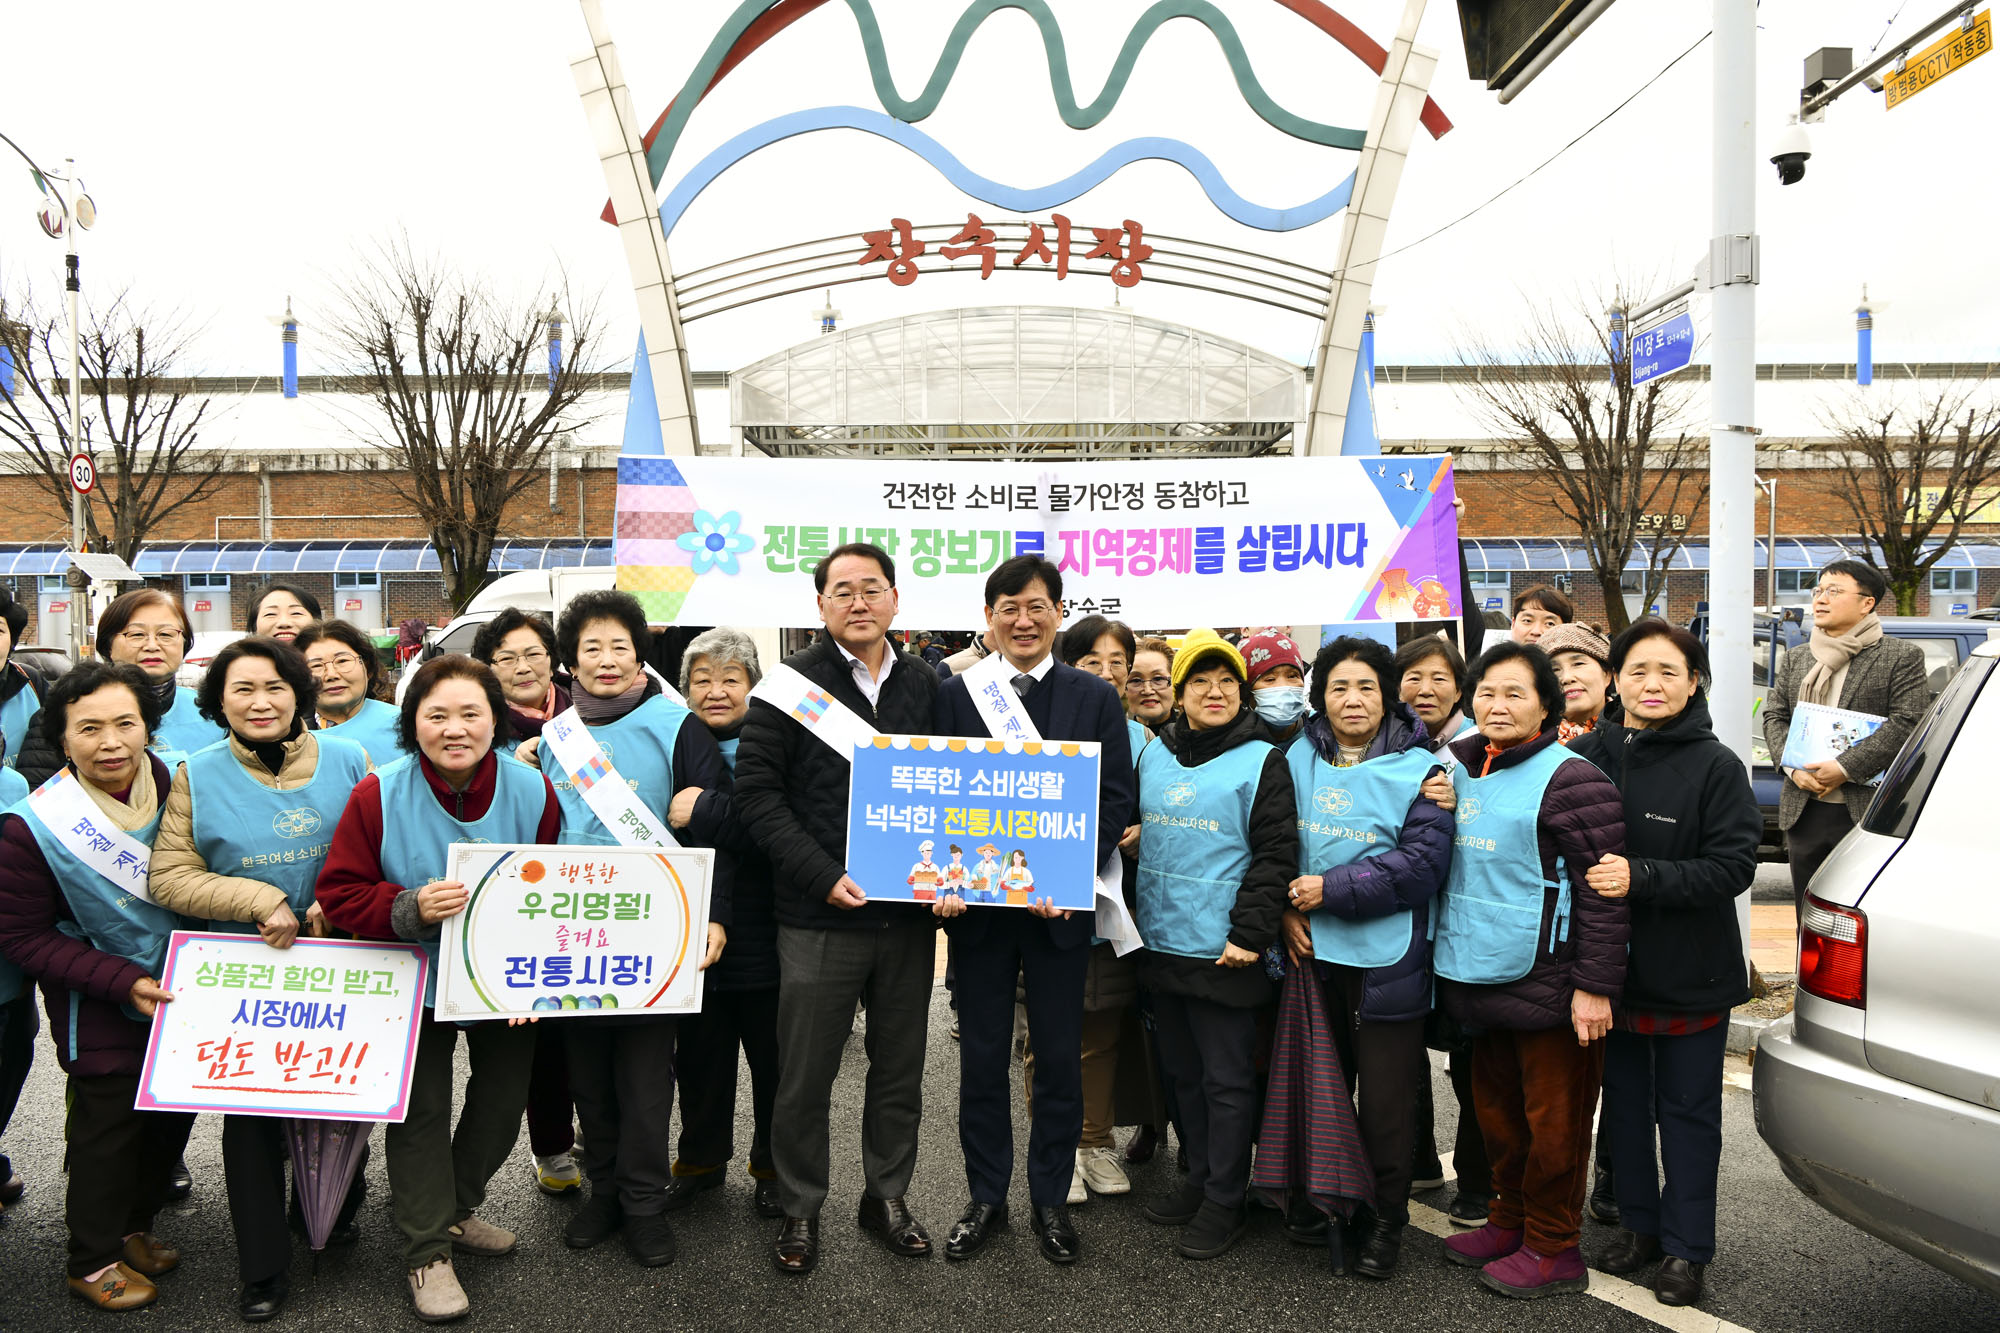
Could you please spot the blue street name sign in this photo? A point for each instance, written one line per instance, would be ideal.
(1662, 348)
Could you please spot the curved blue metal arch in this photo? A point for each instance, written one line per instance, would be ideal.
(1184, 155)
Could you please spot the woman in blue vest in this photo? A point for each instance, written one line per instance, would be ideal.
(1373, 852)
(1531, 959)
(740, 997)
(244, 833)
(384, 879)
(72, 915)
(281, 611)
(351, 686)
(623, 1103)
(21, 689)
(150, 629)
(1218, 847)
(520, 646)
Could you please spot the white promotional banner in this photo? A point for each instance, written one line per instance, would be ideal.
(1158, 543)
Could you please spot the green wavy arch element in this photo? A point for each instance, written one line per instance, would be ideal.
(1076, 116)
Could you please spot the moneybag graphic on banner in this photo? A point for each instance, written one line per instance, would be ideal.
(998, 822)
(325, 1030)
(1180, 541)
(556, 932)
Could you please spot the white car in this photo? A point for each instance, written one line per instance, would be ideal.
(1881, 1095)
(201, 651)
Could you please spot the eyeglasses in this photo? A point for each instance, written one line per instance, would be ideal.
(1034, 610)
(342, 663)
(847, 597)
(534, 657)
(1224, 685)
(1158, 684)
(166, 637)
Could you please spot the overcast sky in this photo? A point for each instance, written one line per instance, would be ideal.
(239, 152)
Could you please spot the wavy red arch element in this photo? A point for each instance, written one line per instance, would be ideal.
(787, 12)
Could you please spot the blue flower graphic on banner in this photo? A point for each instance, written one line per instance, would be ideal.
(715, 541)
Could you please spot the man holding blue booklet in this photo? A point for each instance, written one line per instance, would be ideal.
(1849, 663)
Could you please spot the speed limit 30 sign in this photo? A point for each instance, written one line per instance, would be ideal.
(82, 473)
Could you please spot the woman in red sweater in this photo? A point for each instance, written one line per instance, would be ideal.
(384, 879)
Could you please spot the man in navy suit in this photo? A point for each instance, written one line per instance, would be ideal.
(1047, 946)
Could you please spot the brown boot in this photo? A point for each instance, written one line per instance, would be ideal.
(148, 1254)
(117, 1288)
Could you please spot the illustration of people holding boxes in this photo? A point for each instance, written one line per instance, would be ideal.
(925, 874)
(1017, 878)
(957, 877)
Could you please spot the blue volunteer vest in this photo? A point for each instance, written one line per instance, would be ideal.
(1489, 922)
(640, 746)
(244, 828)
(15, 715)
(112, 922)
(1345, 815)
(376, 727)
(1136, 737)
(1196, 820)
(184, 730)
(416, 830)
(728, 749)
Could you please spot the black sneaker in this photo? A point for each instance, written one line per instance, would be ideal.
(1214, 1229)
(1176, 1209)
(1469, 1210)
(1428, 1174)
(681, 1190)
(180, 1182)
(594, 1223)
(1604, 1200)
(650, 1240)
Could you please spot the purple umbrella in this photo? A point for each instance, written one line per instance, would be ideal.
(325, 1154)
(1309, 1148)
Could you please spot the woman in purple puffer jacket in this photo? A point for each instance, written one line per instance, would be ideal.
(1530, 959)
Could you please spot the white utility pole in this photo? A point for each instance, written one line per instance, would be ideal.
(1732, 438)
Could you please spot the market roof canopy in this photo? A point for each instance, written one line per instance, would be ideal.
(1013, 381)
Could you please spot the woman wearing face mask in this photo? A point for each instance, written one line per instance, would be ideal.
(343, 662)
(1581, 657)
(520, 646)
(244, 833)
(1217, 851)
(1692, 829)
(1149, 689)
(281, 610)
(385, 880)
(615, 1062)
(1277, 682)
(150, 629)
(1532, 960)
(1373, 852)
(740, 996)
(70, 919)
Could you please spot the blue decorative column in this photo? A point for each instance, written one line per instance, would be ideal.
(1864, 342)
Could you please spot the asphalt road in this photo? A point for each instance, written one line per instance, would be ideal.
(1783, 1264)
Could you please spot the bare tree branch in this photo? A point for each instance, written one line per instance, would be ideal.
(141, 423)
(462, 405)
(1605, 455)
(1912, 472)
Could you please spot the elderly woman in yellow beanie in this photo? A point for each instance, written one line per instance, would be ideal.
(1218, 845)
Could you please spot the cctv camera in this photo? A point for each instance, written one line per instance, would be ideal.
(1793, 150)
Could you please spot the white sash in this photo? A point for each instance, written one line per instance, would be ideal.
(583, 761)
(990, 682)
(66, 809)
(824, 717)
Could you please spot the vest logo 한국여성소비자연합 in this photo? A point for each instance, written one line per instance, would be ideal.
(1468, 810)
(1332, 801)
(1180, 792)
(302, 822)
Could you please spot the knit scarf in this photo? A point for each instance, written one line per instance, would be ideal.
(597, 711)
(1831, 654)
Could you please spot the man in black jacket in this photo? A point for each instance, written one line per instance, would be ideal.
(834, 945)
(1048, 947)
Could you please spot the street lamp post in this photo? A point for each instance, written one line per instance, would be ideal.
(78, 581)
